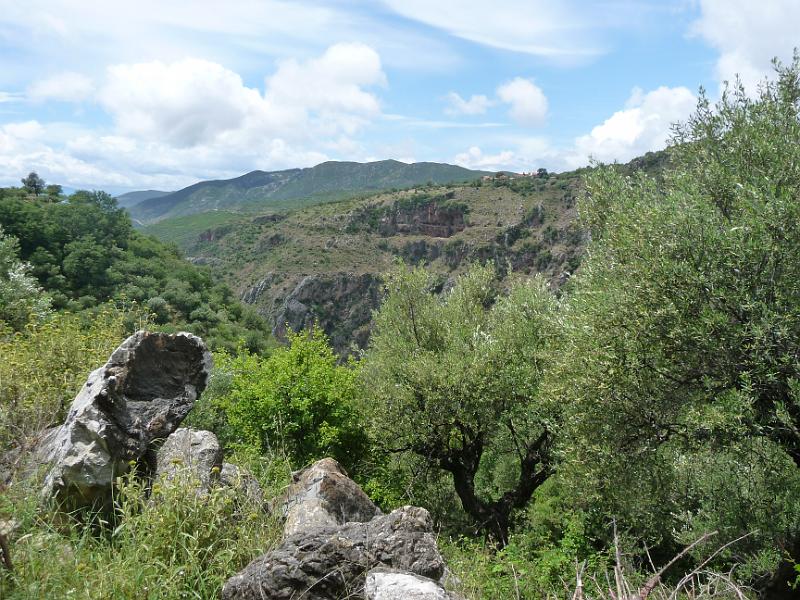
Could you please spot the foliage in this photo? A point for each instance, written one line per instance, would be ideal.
(177, 545)
(541, 555)
(455, 379)
(683, 328)
(33, 184)
(298, 401)
(21, 299)
(45, 364)
(84, 251)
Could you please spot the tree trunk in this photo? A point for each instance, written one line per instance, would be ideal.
(495, 517)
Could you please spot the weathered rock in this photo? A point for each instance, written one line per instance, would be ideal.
(141, 394)
(243, 482)
(190, 455)
(340, 303)
(387, 584)
(323, 495)
(325, 563)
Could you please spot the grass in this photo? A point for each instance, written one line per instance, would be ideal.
(177, 545)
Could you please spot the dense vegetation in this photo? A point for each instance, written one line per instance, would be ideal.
(83, 251)
(654, 400)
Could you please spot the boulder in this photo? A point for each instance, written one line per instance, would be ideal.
(141, 394)
(324, 563)
(324, 495)
(243, 482)
(387, 584)
(190, 455)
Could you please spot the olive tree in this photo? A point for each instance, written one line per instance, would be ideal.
(683, 327)
(454, 379)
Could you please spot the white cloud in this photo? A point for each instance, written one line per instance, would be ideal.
(474, 158)
(244, 35)
(643, 125)
(68, 87)
(10, 97)
(476, 105)
(528, 102)
(556, 30)
(332, 85)
(194, 119)
(184, 103)
(748, 35)
(193, 101)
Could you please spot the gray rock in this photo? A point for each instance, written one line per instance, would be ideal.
(325, 563)
(141, 394)
(189, 455)
(243, 482)
(323, 495)
(387, 584)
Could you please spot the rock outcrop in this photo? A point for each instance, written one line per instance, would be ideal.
(325, 563)
(190, 454)
(241, 480)
(386, 584)
(340, 303)
(323, 495)
(140, 395)
(434, 218)
(337, 544)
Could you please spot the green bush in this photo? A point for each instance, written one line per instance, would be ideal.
(298, 401)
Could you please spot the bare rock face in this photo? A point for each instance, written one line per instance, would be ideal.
(325, 563)
(323, 495)
(387, 584)
(141, 394)
(190, 454)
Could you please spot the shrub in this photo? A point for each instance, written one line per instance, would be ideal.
(298, 400)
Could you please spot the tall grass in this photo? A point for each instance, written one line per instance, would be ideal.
(174, 543)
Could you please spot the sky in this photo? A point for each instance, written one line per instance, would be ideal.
(122, 95)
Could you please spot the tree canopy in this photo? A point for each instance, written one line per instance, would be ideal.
(683, 325)
(84, 251)
(454, 380)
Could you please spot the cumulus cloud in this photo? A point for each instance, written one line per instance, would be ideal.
(519, 154)
(25, 146)
(332, 85)
(180, 121)
(67, 87)
(643, 125)
(183, 103)
(194, 101)
(528, 104)
(748, 35)
(476, 105)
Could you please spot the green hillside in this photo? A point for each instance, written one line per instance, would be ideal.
(260, 191)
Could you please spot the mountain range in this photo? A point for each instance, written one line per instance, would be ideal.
(260, 191)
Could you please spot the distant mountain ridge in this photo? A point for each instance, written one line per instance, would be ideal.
(131, 199)
(294, 188)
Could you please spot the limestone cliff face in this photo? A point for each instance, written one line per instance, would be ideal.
(431, 219)
(340, 303)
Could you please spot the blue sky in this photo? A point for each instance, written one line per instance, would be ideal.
(155, 94)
